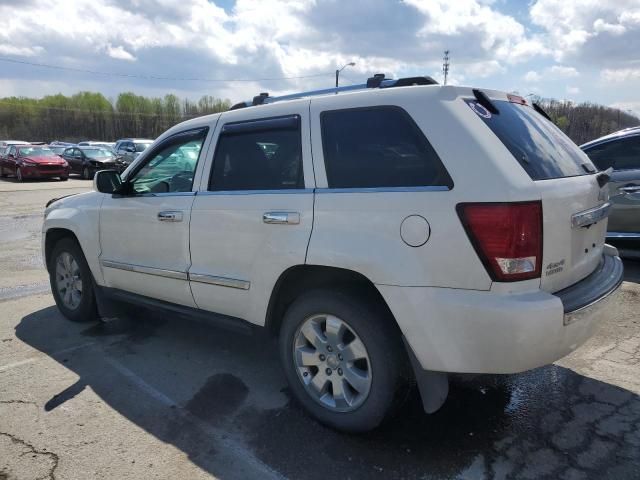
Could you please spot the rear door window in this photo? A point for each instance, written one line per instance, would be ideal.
(378, 147)
(262, 154)
(621, 154)
(540, 147)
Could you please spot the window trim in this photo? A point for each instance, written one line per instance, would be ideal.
(415, 128)
(252, 126)
(175, 138)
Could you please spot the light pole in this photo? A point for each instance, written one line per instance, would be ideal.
(350, 64)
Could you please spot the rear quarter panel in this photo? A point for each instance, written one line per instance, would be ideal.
(361, 230)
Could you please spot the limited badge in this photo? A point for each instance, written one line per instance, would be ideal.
(479, 109)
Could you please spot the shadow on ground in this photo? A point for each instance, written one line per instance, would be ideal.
(185, 382)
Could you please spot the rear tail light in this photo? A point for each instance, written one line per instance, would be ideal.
(506, 236)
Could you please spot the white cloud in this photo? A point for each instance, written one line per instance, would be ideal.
(601, 26)
(620, 75)
(119, 53)
(588, 29)
(573, 90)
(563, 71)
(532, 77)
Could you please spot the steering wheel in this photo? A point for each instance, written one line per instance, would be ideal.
(181, 181)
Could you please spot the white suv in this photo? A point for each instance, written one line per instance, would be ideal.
(386, 235)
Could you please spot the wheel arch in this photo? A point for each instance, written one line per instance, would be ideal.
(53, 236)
(300, 278)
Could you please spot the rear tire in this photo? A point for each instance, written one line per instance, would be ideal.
(348, 395)
(86, 174)
(64, 179)
(72, 282)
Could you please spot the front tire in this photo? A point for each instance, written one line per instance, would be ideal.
(64, 179)
(344, 360)
(72, 282)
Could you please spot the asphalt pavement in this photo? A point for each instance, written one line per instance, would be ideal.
(157, 396)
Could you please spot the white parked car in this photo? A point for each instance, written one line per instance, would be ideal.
(387, 233)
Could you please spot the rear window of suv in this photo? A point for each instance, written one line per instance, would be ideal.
(536, 143)
(378, 147)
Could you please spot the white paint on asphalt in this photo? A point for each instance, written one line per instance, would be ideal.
(26, 361)
(220, 436)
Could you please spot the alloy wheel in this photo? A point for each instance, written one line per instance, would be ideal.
(68, 280)
(332, 363)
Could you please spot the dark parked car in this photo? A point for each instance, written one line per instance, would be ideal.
(128, 149)
(88, 160)
(33, 161)
(620, 151)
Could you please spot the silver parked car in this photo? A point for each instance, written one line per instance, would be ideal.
(620, 151)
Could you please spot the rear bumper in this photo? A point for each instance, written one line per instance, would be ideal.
(469, 331)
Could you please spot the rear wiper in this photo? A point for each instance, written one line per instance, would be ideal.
(484, 100)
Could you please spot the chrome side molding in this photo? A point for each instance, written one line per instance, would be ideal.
(220, 281)
(159, 272)
(176, 275)
(591, 216)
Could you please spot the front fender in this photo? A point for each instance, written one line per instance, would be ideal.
(79, 214)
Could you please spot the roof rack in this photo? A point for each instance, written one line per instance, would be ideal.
(377, 81)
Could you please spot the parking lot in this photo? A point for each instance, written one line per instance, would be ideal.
(150, 396)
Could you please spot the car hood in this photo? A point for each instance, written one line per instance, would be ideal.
(44, 160)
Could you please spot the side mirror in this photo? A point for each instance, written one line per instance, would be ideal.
(107, 181)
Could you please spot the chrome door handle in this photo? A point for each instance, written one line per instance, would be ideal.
(630, 189)
(282, 218)
(170, 216)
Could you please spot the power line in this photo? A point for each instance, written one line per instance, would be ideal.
(157, 77)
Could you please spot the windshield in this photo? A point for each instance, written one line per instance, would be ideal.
(57, 150)
(37, 152)
(97, 152)
(536, 143)
(141, 147)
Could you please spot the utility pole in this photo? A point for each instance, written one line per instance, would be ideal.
(445, 65)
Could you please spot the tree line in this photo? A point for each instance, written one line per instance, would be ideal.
(91, 116)
(586, 121)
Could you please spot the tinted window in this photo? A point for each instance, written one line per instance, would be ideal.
(260, 155)
(141, 147)
(97, 152)
(536, 143)
(171, 167)
(378, 147)
(622, 154)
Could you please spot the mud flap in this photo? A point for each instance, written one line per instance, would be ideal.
(108, 308)
(433, 386)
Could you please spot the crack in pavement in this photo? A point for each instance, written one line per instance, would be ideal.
(24, 402)
(31, 449)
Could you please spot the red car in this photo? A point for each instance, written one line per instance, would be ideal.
(33, 161)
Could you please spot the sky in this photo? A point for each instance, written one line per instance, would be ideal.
(579, 50)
